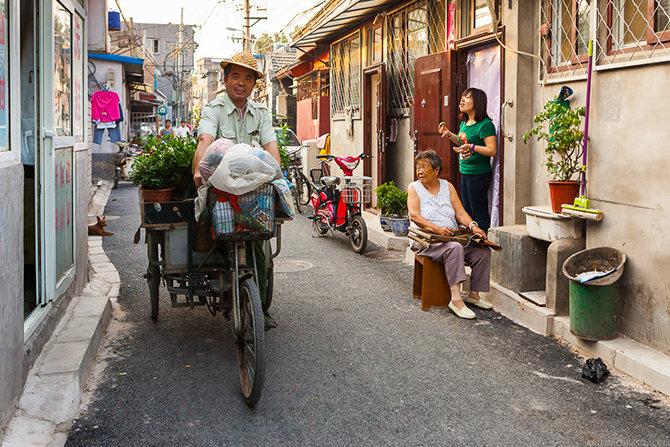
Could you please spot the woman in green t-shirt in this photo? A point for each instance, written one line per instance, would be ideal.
(479, 136)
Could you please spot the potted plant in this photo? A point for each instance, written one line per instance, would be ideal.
(163, 167)
(393, 204)
(559, 126)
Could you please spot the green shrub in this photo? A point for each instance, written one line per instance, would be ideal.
(391, 199)
(164, 163)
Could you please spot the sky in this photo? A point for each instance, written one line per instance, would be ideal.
(212, 37)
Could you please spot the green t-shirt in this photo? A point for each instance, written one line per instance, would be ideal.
(475, 133)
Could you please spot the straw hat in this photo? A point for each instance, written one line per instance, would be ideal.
(244, 59)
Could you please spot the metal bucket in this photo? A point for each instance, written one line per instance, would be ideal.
(593, 303)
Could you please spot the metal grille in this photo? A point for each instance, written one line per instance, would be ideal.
(414, 31)
(566, 26)
(346, 77)
(627, 32)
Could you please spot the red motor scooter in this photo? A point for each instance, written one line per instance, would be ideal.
(340, 209)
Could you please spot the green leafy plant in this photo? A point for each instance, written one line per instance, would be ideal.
(164, 163)
(391, 199)
(559, 126)
(283, 140)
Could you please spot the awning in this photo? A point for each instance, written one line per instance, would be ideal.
(341, 17)
(131, 65)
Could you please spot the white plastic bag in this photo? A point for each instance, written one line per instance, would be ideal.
(243, 169)
(213, 156)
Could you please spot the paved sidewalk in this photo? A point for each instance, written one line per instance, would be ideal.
(53, 392)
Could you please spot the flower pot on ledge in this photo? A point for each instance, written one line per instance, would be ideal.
(563, 193)
(399, 225)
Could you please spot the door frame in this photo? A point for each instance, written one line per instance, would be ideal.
(368, 72)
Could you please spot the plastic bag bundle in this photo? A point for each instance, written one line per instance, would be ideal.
(213, 156)
(594, 370)
(243, 169)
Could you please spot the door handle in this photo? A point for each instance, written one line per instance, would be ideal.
(502, 119)
(26, 135)
(382, 142)
(49, 134)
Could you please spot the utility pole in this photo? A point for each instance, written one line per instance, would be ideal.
(180, 63)
(247, 27)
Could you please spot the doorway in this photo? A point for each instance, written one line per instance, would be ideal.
(375, 125)
(483, 67)
(32, 298)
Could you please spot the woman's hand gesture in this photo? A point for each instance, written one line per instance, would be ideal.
(446, 231)
(443, 131)
(478, 231)
(465, 151)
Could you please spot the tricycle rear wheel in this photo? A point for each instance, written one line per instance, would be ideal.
(153, 276)
(251, 343)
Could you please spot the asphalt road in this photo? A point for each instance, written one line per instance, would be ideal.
(354, 362)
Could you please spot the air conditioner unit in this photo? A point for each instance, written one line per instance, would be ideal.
(282, 105)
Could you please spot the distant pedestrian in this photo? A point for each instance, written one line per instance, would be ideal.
(183, 131)
(167, 131)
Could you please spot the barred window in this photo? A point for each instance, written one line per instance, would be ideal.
(566, 45)
(346, 77)
(629, 32)
(407, 40)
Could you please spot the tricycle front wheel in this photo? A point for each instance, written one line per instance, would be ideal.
(251, 343)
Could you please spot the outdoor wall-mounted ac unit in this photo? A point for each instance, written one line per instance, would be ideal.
(282, 105)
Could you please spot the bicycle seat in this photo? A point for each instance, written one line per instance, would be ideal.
(330, 181)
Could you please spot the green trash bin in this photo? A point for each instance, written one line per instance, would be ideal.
(593, 302)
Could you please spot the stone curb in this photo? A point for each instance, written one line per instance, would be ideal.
(384, 239)
(53, 392)
(626, 355)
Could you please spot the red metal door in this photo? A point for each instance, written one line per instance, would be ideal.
(436, 100)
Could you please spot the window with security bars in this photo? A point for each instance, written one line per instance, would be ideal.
(566, 29)
(628, 31)
(416, 30)
(345, 76)
(633, 30)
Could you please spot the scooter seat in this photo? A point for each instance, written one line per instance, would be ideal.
(330, 181)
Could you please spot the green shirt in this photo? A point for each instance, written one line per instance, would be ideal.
(221, 119)
(475, 133)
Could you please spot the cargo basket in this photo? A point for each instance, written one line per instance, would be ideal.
(356, 189)
(249, 217)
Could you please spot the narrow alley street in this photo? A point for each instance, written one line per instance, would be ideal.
(354, 361)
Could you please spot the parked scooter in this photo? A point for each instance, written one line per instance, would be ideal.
(120, 160)
(340, 209)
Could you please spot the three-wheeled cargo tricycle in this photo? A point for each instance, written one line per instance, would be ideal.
(223, 278)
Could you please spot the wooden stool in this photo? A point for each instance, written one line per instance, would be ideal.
(430, 283)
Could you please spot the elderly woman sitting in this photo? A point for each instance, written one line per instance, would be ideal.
(435, 207)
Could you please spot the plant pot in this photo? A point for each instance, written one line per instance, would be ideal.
(399, 225)
(563, 193)
(385, 223)
(157, 195)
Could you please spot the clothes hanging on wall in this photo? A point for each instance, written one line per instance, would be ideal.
(393, 132)
(106, 113)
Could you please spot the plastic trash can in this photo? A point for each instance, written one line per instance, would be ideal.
(593, 304)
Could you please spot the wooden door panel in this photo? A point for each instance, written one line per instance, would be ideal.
(434, 102)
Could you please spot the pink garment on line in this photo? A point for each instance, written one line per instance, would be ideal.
(105, 106)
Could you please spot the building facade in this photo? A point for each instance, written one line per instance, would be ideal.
(398, 68)
(45, 170)
(205, 81)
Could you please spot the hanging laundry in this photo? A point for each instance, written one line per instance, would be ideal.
(106, 113)
(105, 106)
(393, 134)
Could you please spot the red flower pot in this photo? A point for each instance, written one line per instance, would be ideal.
(563, 193)
(157, 195)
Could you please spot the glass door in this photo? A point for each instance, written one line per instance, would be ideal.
(57, 117)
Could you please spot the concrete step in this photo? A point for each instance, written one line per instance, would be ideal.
(385, 239)
(628, 356)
